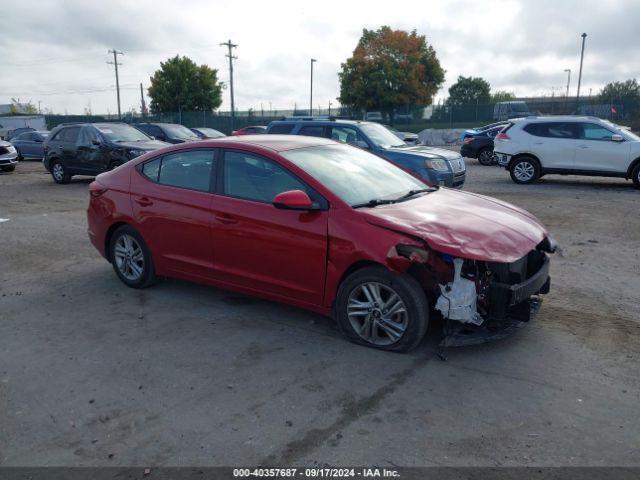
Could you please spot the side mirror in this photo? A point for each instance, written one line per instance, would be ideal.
(617, 138)
(96, 142)
(361, 144)
(38, 140)
(293, 200)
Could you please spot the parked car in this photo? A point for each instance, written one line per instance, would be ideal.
(472, 131)
(480, 146)
(533, 147)
(10, 134)
(30, 144)
(167, 132)
(93, 148)
(8, 157)
(407, 137)
(511, 109)
(437, 166)
(252, 130)
(326, 227)
(206, 132)
(373, 116)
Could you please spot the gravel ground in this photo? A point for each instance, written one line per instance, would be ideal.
(93, 373)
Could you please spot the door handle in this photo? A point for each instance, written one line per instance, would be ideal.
(583, 146)
(226, 219)
(538, 143)
(143, 201)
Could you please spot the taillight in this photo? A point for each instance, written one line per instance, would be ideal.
(95, 189)
(469, 140)
(502, 136)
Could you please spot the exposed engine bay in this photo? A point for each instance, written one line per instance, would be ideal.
(479, 300)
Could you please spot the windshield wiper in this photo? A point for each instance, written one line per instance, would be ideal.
(412, 193)
(374, 202)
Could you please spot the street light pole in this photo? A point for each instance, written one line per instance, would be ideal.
(232, 57)
(313, 60)
(584, 36)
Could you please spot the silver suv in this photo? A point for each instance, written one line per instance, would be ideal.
(535, 146)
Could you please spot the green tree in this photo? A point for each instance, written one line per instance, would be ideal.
(625, 93)
(502, 96)
(390, 68)
(180, 84)
(468, 90)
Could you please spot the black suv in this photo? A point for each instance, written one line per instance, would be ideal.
(93, 148)
(168, 132)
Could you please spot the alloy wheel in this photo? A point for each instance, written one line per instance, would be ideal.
(524, 171)
(58, 172)
(129, 257)
(377, 313)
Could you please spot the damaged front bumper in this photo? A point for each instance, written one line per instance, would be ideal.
(506, 301)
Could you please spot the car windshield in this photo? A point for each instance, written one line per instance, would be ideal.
(178, 131)
(210, 132)
(381, 135)
(519, 107)
(362, 177)
(122, 133)
(624, 131)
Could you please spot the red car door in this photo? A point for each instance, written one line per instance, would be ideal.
(260, 247)
(171, 200)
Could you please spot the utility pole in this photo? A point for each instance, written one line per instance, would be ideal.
(329, 107)
(584, 36)
(568, 70)
(231, 46)
(313, 60)
(115, 64)
(143, 108)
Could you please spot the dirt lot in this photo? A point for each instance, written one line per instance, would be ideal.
(94, 373)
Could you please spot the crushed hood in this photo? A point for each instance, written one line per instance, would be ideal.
(463, 224)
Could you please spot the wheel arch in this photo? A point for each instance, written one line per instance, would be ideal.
(632, 166)
(109, 235)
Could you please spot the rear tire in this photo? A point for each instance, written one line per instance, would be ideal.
(524, 170)
(131, 258)
(635, 176)
(380, 309)
(486, 156)
(59, 172)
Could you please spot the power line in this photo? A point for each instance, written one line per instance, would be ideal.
(115, 64)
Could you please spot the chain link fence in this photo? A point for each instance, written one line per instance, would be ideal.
(413, 118)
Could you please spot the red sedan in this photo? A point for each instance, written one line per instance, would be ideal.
(253, 130)
(326, 227)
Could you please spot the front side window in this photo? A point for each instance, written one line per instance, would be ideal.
(361, 176)
(345, 135)
(591, 131)
(255, 178)
(88, 136)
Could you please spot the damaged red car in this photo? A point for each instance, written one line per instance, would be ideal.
(327, 227)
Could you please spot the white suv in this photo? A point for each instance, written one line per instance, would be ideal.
(535, 146)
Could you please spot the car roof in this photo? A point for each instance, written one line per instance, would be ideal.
(276, 143)
(557, 118)
(324, 121)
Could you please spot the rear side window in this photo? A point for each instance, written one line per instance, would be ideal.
(282, 128)
(552, 129)
(192, 170)
(312, 131)
(69, 134)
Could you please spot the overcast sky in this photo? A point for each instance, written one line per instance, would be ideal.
(56, 51)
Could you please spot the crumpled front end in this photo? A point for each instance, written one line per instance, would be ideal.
(480, 300)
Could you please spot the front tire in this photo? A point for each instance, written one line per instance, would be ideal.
(59, 172)
(10, 168)
(524, 170)
(486, 157)
(635, 176)
(131, 258)
(382, 310)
